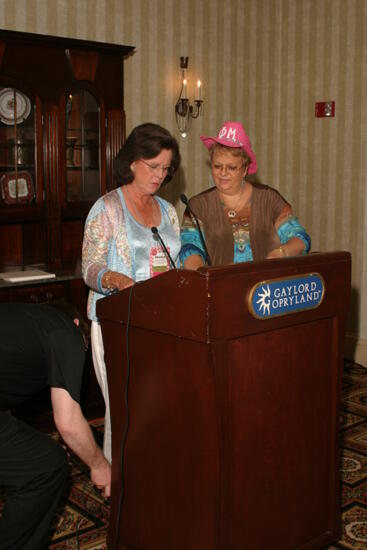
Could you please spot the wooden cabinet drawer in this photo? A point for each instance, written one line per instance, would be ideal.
(40, 294)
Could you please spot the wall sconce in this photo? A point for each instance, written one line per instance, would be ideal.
(184, 110)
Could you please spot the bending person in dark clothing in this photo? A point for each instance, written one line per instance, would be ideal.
(41, 346)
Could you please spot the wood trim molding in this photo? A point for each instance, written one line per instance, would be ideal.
(51, 171)
(356, 348)
(2, 50)
(115, 139)
(83, 64)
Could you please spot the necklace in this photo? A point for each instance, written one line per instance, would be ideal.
(232, 213)
(140, 215)
(233, 210)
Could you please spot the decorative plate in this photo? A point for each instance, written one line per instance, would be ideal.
(12, 101)
(16, 188)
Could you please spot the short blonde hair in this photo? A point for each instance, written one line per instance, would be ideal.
(235, 151)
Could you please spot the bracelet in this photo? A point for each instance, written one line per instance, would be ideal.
(107, 280)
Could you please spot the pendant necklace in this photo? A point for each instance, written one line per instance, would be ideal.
(232, 212)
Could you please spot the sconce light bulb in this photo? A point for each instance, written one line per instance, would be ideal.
(199, 90)
(184, 82)
(183, 134)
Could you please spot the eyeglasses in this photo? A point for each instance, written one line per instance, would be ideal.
(157, 169)
(230, 168)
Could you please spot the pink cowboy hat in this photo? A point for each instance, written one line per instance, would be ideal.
(232, 134)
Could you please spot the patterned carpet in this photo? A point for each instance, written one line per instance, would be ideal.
(353, 458)
(81, 522)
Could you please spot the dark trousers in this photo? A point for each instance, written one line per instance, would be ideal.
(32, 469)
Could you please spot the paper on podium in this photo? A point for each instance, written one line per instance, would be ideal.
(26, 275)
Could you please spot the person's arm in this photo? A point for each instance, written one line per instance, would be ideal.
(192, 254)
(294, 238)
(98, 233)
(77, 434)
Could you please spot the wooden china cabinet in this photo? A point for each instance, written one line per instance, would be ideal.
(62, 122)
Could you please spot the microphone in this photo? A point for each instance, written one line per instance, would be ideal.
(185, 200)
(155, 232)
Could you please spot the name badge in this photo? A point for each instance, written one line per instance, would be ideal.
(158, 262)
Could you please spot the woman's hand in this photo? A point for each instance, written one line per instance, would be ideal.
(279, 252)
(193, 262)
(113, 280)
(293, 247)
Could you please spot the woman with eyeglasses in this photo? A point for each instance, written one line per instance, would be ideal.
(240, 221)
(119, 247)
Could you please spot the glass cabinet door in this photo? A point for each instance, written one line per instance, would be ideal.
(17, 149)
(83, 181)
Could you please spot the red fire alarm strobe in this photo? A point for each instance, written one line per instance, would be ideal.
(325, 108)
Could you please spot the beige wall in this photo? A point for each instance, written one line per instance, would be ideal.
(264, 62)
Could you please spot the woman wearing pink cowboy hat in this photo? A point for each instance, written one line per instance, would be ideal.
(240, 221)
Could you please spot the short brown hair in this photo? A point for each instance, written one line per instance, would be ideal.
(145, 142)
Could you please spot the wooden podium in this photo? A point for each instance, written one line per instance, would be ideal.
(224, 423)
